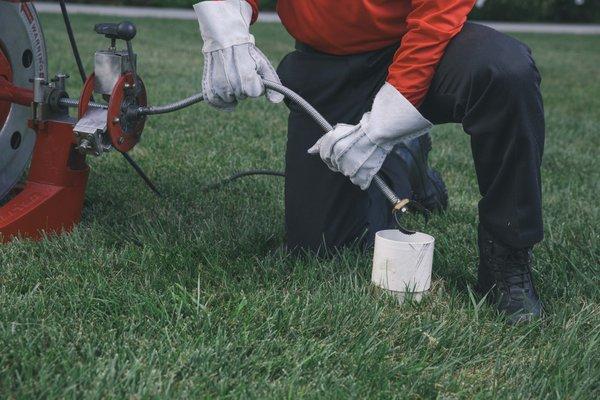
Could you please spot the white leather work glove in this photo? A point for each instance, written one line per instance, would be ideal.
(233, 66)
(358, 151)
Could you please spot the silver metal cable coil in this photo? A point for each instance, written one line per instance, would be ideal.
(74, 103)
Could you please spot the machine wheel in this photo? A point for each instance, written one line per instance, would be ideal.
(22, 58)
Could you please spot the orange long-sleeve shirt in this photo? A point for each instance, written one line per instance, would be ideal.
(341, 27)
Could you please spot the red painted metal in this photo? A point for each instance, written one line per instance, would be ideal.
(52, 200)
(121, 140)
(13, 94)
(8, 92)
(6, 75)
(86, 96)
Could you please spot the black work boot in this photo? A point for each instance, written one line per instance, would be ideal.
(504, 274)
(428, 186)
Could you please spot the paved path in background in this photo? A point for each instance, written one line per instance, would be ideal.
(173, 13)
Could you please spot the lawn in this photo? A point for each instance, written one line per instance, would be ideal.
(191, 296)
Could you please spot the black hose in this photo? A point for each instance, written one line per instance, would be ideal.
(243, 174)
(142, 174)
(63, 9)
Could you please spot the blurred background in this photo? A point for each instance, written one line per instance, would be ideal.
(496, 10)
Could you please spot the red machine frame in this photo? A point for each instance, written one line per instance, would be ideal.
(51, 201)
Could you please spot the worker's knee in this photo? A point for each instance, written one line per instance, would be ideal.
(506, 68)
(512, 76)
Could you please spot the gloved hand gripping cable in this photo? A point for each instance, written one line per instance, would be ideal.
(400, 206)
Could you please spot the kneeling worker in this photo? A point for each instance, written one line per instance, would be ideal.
(386, 71)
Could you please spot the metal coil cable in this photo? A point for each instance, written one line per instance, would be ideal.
(292, 96)
(326, 126)
(73, 103)
(167, 108)
(305, 105)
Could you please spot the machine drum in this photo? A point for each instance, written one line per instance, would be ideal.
(22, 58)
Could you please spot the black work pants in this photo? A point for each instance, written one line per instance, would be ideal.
(486, 81)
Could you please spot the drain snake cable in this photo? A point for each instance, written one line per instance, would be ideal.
(290, 95)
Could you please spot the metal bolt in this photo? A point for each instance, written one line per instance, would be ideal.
(116, 120)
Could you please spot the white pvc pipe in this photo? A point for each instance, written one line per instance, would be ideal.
(402, 263)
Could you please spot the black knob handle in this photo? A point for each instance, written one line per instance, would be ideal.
(123, 30)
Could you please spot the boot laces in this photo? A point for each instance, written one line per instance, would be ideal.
(512, 269)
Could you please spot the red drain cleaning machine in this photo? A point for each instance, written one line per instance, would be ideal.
(41, 135)
(38, 131)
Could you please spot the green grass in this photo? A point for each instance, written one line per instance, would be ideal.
(190, 296)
